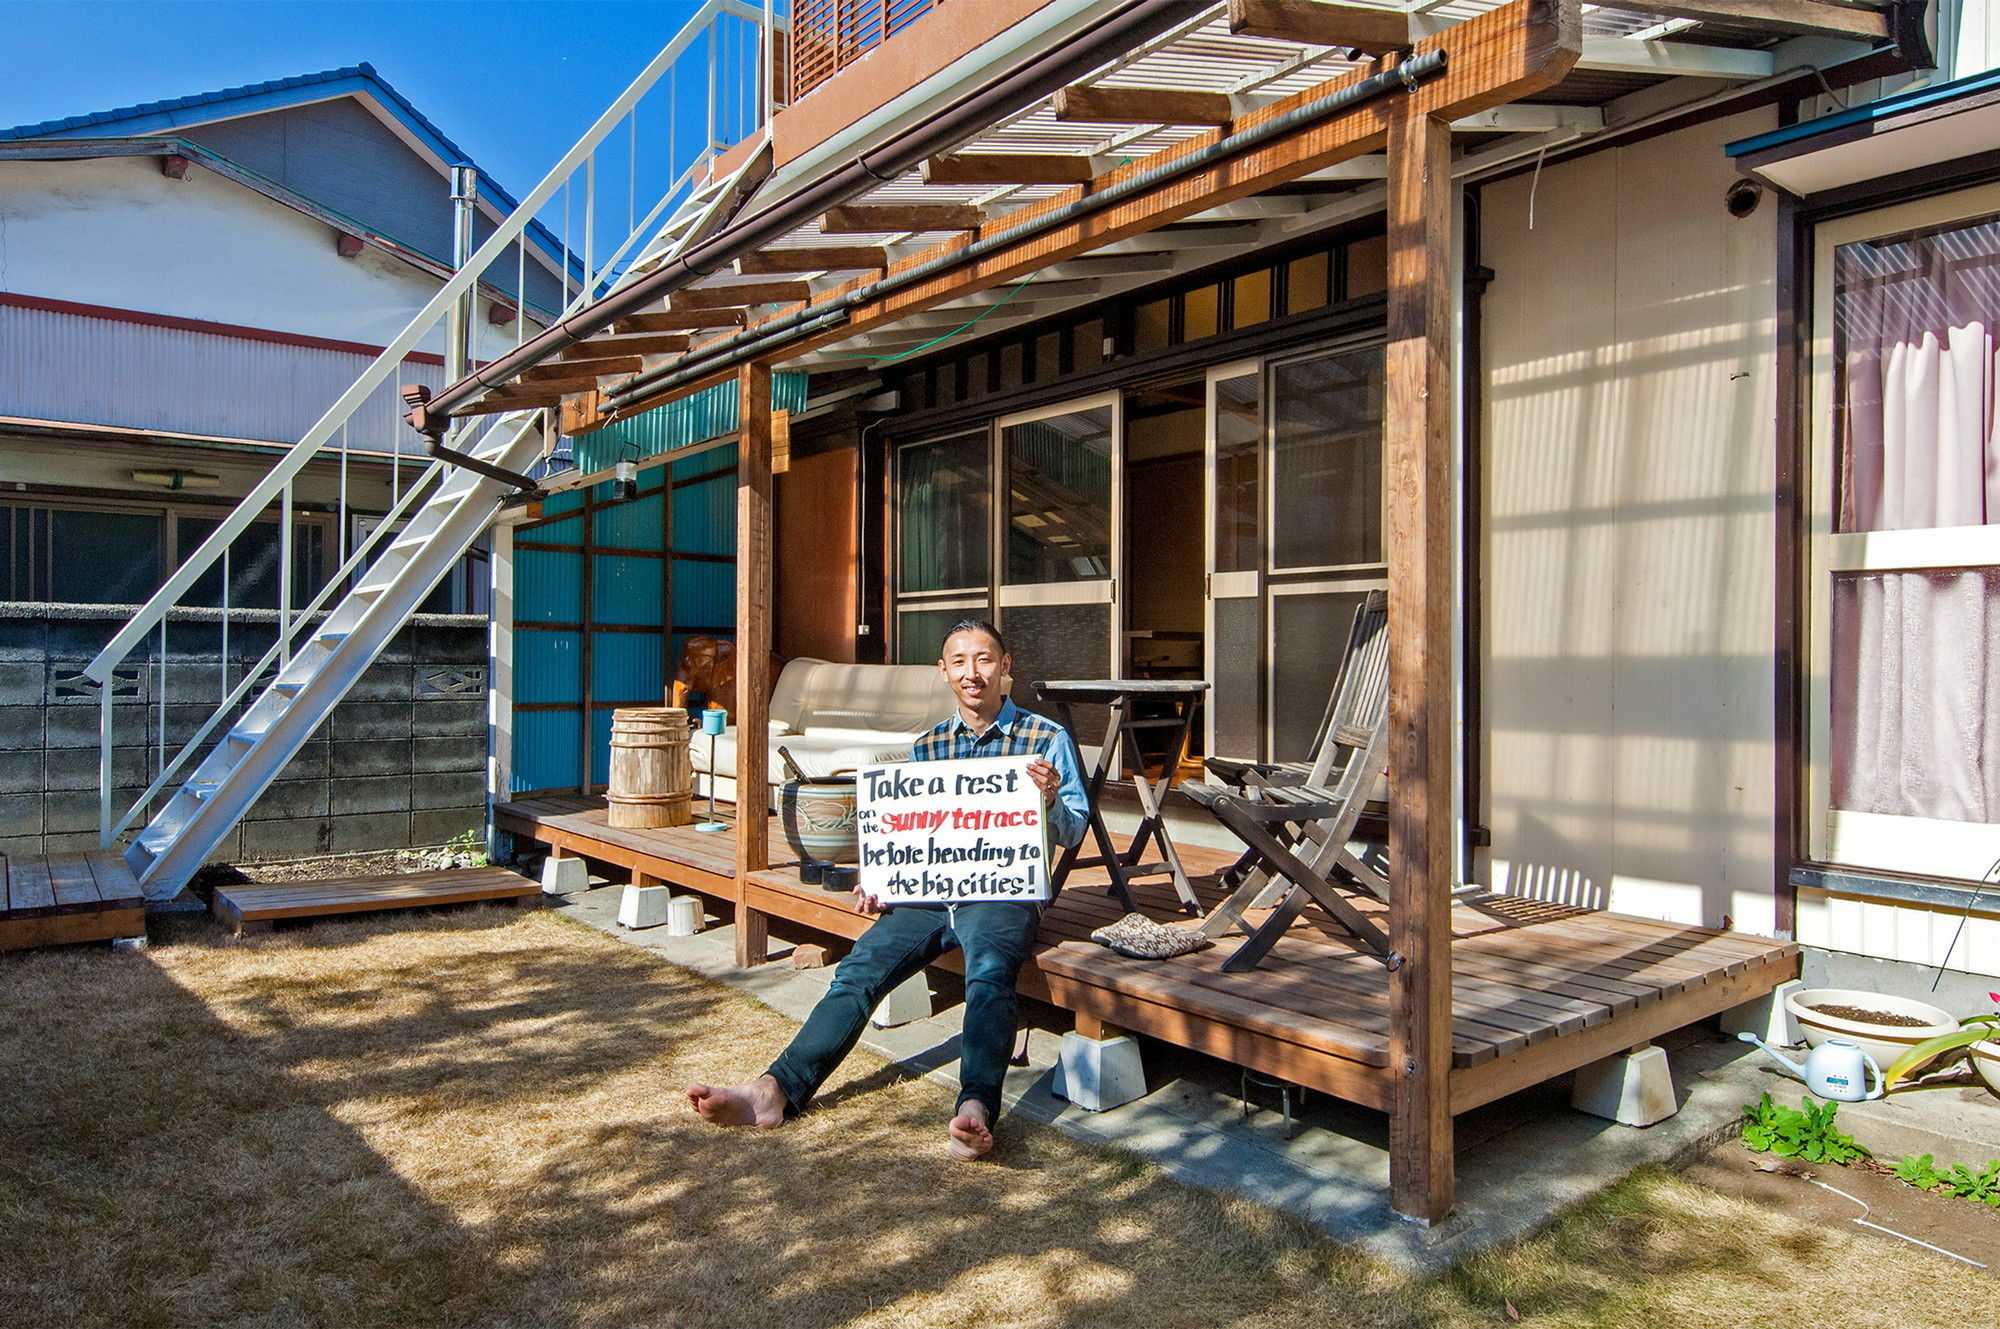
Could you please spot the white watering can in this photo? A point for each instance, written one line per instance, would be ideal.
(1837, 1069)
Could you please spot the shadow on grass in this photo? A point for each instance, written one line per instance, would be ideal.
(477, 1119)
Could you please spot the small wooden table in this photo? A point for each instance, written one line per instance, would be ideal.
(1122, 738)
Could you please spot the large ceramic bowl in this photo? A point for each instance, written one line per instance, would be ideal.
(818, 819)
(1883, 1042)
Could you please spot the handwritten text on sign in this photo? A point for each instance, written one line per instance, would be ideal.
(952, 831)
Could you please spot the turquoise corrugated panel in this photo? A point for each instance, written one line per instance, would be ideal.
(678, 424)
(567, 501)
(705, 517)
(545, 750)
(627, 589)
(627, 668)
(567, 532)
(548, 666)
(600, 747)
(633, 525)
(707, 463)
(704, 594)
(548, 586)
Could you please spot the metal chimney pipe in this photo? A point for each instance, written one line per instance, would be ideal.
(458, 325)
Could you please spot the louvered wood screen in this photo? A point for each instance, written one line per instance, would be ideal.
(829, 35)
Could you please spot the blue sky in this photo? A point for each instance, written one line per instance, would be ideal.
(513, 82)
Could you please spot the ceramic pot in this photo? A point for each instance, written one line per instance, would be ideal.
(1883, 1042)
(1986, 1060)
(818, 818)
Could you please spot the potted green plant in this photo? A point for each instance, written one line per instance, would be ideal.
(1978, 1033)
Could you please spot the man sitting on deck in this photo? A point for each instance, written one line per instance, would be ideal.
(996, 935)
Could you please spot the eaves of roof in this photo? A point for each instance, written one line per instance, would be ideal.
(1883, 108)
(164, 117)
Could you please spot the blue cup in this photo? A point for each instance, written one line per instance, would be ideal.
(712, 722)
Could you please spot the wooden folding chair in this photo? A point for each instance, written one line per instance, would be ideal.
(1295, 819)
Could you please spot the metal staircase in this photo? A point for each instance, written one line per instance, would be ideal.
(323, 648)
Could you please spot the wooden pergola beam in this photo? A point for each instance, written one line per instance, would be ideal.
(738, 297)
(1416, 476)
(1013, 168)
(1800, 16)
(833, 258)
(496, 403)
(1143, 106)
(562, 371)
(753, 650)
(1370, 31)
(598, 348)
(679, 320)
(1522, 48)
(901, 218)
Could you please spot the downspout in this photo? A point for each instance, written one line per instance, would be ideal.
(750, 342)
(1027, 83)
(458, 334)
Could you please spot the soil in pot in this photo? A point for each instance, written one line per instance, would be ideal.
(1863, 1015)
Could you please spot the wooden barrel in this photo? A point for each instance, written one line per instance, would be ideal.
(651, 782)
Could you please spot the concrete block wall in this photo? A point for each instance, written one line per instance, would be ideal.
(400, 763)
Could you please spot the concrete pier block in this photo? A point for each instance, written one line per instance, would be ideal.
(642, 907)
(907, 1003)
(684, 917)
(1099, 1074)
(1633, 1088)
(564, 876)
(1767, 1017)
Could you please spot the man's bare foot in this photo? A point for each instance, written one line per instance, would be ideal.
(760, 1103)
(971, 1136)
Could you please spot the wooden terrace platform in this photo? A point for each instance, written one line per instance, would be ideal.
(1538, 989)
(255, 907)
(58, 898)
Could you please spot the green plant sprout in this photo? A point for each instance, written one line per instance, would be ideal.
(1982, 1185)
(1806, 1132)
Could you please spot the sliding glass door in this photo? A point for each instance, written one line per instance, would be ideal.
(1055, 525)
(1234, 600)
(944, 537)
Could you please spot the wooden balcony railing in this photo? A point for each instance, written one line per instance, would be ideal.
(829, 35)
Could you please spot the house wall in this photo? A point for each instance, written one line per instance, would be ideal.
(116, 232)
(1626, 565)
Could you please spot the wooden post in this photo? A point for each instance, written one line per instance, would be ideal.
(1416, 475)
(753, 649)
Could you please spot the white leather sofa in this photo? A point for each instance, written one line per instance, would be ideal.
(833, 717)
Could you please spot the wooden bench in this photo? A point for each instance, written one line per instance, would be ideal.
(255, 907)
(59, 898)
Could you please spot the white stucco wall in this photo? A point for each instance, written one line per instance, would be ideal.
(117, 232)
(1628, 534)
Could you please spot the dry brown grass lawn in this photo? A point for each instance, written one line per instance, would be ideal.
(476, 1120)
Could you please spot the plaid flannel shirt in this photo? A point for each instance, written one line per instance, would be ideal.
(1019, 733)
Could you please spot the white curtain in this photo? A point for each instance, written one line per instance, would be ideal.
(1916, 655)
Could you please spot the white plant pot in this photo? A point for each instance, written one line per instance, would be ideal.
(1986, 1060)
(1885, 1043)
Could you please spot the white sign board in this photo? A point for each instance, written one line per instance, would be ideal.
(948, 832)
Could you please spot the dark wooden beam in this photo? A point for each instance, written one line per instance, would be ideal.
(899, 218)
(1416, 477)
(753, 650)
(564, 376)
(1370, 31)
(562, 371)
(679, 320)
(1143, 106)
(1801, 16)
(837, 258)
(1012, 168)
(736, 297)
(599, 348)
(511, 399)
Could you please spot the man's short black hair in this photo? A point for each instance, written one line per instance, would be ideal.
(974, 625)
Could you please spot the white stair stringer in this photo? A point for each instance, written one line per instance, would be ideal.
(327, 663)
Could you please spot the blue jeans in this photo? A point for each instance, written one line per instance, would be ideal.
(995, 935)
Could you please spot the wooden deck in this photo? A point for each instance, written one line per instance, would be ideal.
(48, 901)
(255, 907)
(1537, 989)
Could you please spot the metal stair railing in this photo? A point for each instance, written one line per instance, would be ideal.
(446, 507)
